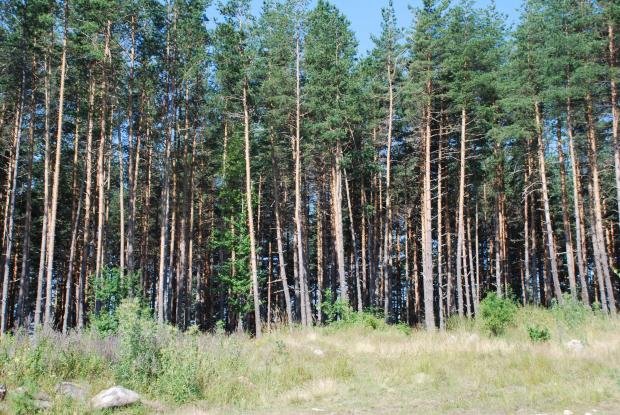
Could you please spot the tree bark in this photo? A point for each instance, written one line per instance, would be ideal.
(47, 321)
(9, 219)
(545, 195)
(250, 211)
(599, 235)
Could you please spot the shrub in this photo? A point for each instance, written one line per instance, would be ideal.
(335, 309)
(497, 313)
(538, 334)
(110, 288)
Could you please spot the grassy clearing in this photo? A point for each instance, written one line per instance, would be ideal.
(358, 367)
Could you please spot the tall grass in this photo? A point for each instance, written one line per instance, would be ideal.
(358, 364)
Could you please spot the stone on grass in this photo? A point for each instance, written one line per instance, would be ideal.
(114, 397)
(72, 391)
(2, 392)
(568, 412)
(318, 352)
(575, 345)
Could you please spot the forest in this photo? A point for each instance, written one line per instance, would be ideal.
(246, 171)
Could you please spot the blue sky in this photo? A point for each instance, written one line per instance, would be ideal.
(365, 15)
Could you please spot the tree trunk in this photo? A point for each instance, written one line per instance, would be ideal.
(461, 219)
(427, 242)
(38, 309)
(545, 195)
(9, 219)
(80, 295)
(615, 112)
(577, 207)
(24, 281)
(599, 235)
(301, 267)
(250, 210)
(568, 237)
(56, 179)
(336, 199)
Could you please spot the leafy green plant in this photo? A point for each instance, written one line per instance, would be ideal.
(140, 346)
(539, 334)
(335, 309)
(497, 313)
(110, 288)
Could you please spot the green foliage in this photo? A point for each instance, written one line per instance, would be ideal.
(539, 334)
(110, 288)
(140, 354)
(497, 313)
(335, 309)
(570, 312)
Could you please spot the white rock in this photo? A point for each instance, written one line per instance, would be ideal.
(318, 352)
(421, 378)
(114, 397)
(568, 412)
(575, 345)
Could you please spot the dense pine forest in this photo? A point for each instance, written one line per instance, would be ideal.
(240, 170)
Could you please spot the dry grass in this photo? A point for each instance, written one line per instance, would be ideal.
(358, 370)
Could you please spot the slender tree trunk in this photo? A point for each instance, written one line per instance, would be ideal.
(461, 217)
(545, 196)
(80, 295)
(336, 199)
(281, 261)
(250, 211)
(615, 112)
(121, 205)
(387, 233)
(72, 250)
(577, 207)
(301, 267)
(358, 283)
(568, 237)
(24, 282)
(440, 226)
(427, 242)
(38, 309)
(101, 162)
(599, 235)
(134, 154)
(56, 180)
(9, 218)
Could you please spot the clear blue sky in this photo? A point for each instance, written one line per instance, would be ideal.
(365, 15)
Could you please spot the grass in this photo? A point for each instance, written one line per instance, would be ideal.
(359, 367)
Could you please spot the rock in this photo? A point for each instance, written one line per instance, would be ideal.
(72, 390)
(568, 412)
(421, 378)
(318, 352)
(40, 400)
(114, 397)
(575, 345)
(2, 392)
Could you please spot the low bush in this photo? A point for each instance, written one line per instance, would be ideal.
(539, 334)
(497, 313)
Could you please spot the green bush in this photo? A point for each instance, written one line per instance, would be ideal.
(140, 345)
(497, 313)
(110, 288)
(539, 334)
(335, 309)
